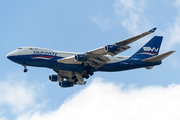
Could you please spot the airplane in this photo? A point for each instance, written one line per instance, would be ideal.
(72, 68)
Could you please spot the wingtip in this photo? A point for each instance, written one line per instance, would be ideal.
(172, 51)
(152, 30)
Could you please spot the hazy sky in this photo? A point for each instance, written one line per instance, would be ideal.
(80, 26)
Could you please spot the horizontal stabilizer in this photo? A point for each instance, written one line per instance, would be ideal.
(158, 58)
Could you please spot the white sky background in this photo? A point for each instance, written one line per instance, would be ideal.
(136, 94)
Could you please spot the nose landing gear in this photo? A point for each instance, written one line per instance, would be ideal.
(25, 69)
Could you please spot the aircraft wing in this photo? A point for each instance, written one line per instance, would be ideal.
(132, 39)
(96, 58)
(122, 45)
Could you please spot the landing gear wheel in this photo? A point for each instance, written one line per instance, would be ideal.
(74, 77)
(91, 73)
(75, 80)
(83, 76)
(87, 76)
(25, 70)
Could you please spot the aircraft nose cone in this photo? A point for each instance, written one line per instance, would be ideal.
(13, 56)
(9, 55)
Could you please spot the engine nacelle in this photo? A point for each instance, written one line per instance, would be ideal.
(65, 84)
(111, 48)
(55, 78)
(81, 57)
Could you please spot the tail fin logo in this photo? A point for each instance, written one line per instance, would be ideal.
(150, 49)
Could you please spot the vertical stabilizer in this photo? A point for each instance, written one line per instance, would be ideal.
(150, 49)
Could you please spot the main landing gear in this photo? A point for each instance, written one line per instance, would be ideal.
(75, 79)
(25, 69)
(88, 73)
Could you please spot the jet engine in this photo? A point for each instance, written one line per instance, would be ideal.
(111, 48)
(65, 84)
(81, 57)
(55, 77)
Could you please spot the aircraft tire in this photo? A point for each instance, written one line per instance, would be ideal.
(25, 70)
(75, 80)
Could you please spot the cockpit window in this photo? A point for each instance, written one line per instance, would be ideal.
(19, 48)
(30, 48)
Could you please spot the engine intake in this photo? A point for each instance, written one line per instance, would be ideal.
(55, 78)
(81, 57)
(65, 84)
(111, 48)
